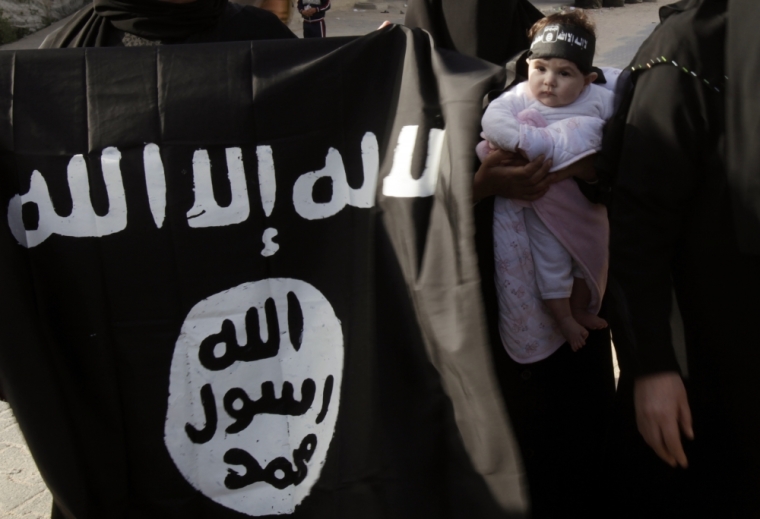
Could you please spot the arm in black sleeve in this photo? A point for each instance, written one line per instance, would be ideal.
(597, 192)
(659, 168)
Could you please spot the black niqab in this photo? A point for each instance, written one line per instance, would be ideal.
(149, 19)
(493, 30)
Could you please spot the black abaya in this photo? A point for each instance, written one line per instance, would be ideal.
(559, 406)
(673, 228)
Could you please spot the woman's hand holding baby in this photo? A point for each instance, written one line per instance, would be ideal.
(582, 169)
(509, 175)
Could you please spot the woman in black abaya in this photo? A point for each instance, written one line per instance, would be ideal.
(559, 406)
(685, 221)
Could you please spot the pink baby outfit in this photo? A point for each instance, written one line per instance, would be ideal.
(568, 232)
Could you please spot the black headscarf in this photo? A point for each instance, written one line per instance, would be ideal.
(493, 30)
(149, 19)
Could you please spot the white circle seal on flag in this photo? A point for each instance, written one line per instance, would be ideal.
(254, 393)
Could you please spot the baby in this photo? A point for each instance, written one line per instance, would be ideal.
(558, 113)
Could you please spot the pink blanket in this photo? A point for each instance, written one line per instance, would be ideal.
(583, 229)
(528, 331)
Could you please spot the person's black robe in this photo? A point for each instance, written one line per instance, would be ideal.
(673, 230)
(558, 407)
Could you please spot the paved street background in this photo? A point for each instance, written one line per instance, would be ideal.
(620, 32)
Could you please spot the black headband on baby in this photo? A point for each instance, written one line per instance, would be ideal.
(566, 42)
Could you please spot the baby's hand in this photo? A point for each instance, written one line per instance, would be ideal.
(532, 117)
(485, 148)
(507, 174)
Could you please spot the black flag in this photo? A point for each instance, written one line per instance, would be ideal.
(239, 280)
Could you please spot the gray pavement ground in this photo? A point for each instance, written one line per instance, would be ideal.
(22, 491)
(620, 32)
(34, 40)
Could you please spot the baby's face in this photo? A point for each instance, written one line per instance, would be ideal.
(555, 81)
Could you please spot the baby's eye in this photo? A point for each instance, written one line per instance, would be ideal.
(542, 69)
(565, 74)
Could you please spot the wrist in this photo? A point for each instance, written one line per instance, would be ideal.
(660, 375)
